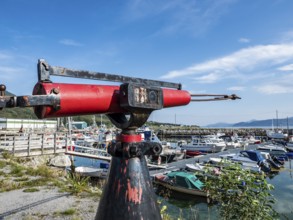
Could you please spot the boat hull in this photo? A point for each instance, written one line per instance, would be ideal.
(181, 189)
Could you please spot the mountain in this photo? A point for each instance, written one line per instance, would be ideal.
(219, 125)
(257, 123)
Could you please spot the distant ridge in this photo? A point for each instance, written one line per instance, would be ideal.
(281, 123)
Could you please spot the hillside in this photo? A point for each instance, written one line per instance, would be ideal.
(256, 123)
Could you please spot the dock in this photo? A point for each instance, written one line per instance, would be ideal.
(177, 165)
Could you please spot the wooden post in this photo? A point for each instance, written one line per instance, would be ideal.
(29, 144)
(66, 143)
(13, 147)
(55, 143)
(42, 145)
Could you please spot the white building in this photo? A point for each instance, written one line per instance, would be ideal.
(8, 123)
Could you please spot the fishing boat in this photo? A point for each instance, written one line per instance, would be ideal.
(183, 182)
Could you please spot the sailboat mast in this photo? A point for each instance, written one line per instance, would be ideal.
(277, 119)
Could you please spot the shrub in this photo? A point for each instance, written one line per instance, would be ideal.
(241, 194)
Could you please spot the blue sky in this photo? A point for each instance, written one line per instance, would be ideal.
(210, 46)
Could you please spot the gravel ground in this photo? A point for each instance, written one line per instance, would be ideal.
(46, 204)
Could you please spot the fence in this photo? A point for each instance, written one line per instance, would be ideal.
(33, 144)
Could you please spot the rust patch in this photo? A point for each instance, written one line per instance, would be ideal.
(118, 188)
(26, 100)
(134, 194)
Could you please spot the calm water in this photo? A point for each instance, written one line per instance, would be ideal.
(188, 207)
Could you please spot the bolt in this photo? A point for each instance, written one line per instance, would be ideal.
(55, 90)
(2, 90)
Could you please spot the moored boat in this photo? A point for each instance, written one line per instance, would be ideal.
(249, 158)
(203, 145)
(183, 182)
(91, 171)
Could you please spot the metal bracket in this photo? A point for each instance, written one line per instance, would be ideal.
(135, 149)
(129, 121)
(45, 70)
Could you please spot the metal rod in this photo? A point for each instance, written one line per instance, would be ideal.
(215, 97)
(30, 101)
(45, 70)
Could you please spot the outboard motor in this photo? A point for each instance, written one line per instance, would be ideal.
(273, 164)
(277, 161)
(265, 166)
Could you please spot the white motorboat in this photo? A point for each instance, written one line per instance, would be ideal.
(195, 167)
(273, 149)
(204, 145)
(91, 171)
(244, 165)
(289, 146)
(276, 134)
(249, 158)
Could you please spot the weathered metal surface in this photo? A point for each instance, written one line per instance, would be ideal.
(129, 121)
(134, 96)
(45, 70)
(135, 149)
(128, 194)
(30, 101)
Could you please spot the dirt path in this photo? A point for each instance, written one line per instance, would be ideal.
(46, 204)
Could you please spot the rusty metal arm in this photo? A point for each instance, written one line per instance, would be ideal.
(30, 101)
(214, 97)
(45, 70)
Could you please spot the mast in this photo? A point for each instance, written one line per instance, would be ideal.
(277, 119)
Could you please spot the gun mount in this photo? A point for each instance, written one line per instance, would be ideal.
(128, 193)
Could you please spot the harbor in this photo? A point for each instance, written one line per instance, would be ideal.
(85, 156)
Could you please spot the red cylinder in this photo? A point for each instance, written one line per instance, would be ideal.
(173, 97)
(78, 99)
(83, 99)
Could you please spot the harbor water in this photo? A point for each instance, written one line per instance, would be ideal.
(187, 207)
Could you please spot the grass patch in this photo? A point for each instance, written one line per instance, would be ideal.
(22, 179)
(42, 170)
(7, 155)
(29, 190)
(77, 183)
(6, 186)
(66, 212)
(17, 170)
(37, 182)
(2, 164)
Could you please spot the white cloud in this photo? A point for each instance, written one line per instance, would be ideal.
(274, 89)
(286, 68)
(239, 64)
(244, 40)
(209, 78)
(280, 85)
(236, 88)
(70, 42)
(178, 16)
